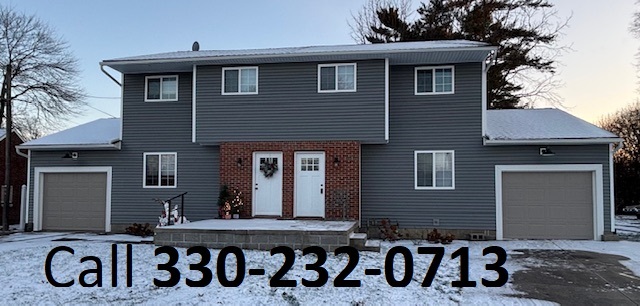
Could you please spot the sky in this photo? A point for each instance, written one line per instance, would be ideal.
(598, 74)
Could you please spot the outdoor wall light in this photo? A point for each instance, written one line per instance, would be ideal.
(239, 162)
(545, 151)
(336, 161)
(72, 155)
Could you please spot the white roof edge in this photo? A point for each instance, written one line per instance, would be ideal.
(251, 56)
(70, 146)
(566, 141)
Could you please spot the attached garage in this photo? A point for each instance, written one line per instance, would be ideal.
(549, 202)
(72, 199)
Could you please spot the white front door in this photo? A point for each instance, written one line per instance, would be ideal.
(309, 184)
(267, 184)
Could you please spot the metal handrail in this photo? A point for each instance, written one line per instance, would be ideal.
(181, 196)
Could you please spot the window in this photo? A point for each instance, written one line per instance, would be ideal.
(161, 88)
(336, 77)
(238, 81)
(309, 164)
(434, 170)
(160, 170)
(434, 80)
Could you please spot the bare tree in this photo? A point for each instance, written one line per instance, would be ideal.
(626, 124)
(45, 80)
(366, 18)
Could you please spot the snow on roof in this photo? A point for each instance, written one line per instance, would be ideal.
(101, 133)
(397, 46)
(541, 124)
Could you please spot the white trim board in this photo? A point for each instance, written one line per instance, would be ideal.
(596, 169)
(193, 104)
(38, 191)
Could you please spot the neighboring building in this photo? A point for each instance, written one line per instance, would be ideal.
(358, 132)
(18, 175)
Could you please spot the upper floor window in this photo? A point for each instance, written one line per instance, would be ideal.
(239, 80)
(336, 77)
(160, 170)
(434, 80)
(434, 170)
(161, 88)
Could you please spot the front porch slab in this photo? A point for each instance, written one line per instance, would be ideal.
(257, 234)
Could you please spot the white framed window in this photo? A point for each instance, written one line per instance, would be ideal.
(434, 169)
(239, 80)
(434, 80)
(161, 88)
(160, 170)
(337, 77)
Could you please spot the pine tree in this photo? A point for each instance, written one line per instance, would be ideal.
(520, 29)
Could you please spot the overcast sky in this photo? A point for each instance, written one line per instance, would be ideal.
(599, 74)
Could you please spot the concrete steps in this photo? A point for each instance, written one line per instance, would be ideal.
(360, 242)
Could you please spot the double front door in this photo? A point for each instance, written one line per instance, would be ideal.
(309, 184)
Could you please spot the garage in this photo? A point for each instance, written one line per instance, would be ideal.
(548, 203)
(73, 201)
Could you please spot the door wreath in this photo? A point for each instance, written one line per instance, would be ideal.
(269, 166)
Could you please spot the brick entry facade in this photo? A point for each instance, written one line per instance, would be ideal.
(342, 179)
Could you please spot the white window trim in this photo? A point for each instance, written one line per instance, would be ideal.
(224, 93)
(453, 170)
(146, 87)
(355, 77)
(433, 80)
(144, 169)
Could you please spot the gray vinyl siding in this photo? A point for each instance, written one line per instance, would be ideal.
(150, 127)
(448, 122)
(289, 107)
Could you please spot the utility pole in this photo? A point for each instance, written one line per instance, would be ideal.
(7, 151)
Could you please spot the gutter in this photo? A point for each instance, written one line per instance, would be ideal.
(112, 145)
(261, 56)
(523, 142)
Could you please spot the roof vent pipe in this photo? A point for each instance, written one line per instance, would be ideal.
(195, 46)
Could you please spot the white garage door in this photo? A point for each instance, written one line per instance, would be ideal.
(74, 201)
(547, 205)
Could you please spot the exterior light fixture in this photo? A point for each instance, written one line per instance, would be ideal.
(336, 161)
(72, 155)
(545, 151)
(239, 162)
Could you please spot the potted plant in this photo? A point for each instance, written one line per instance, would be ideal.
(236, 203)
(223, 198)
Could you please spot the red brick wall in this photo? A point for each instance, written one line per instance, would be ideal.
(342, 182)
(18, 177)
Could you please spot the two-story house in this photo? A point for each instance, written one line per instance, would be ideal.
(357, 132)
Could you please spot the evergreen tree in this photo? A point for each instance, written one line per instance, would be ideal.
(522, 30)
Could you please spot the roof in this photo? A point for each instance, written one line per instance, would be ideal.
(417, 52)
(539, 126)
(98, 134)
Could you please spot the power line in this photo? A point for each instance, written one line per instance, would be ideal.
(98, 97)
(110, 115)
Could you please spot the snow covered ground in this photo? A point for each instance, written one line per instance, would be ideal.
(628, 227)
(22, 258)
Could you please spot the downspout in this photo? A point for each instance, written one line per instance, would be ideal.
(612, 200)
(486, 64)
(109, 75)
(20, 153)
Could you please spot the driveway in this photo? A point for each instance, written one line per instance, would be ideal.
(572, 277)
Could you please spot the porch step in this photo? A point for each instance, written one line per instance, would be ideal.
(372, 245)
(357, 240)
